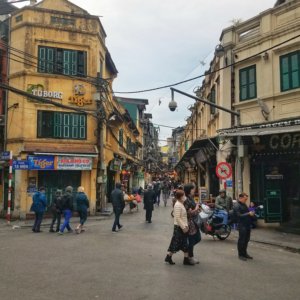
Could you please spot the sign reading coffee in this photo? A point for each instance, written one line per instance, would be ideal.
(287, 141)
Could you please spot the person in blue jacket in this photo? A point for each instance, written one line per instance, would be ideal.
(82, 208)
(39, 204)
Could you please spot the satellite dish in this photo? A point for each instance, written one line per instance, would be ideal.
(264, 108)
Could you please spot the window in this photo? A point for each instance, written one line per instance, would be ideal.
(62, 61)
(61, 125)
(248, 83)
(121, 137)
(290, 71)
(19, 18)
(128, 145)
(212, 98)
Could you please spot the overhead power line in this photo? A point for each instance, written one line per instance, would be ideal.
(208, 73)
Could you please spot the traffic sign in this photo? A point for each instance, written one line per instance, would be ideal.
(223, 170)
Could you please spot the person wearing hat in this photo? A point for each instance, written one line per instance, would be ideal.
(56, 210)
(244, 218)
(67, 207)
(149, 199)
(223, 201)
(39, 204)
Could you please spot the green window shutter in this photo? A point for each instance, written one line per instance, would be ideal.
(121, 137)
(42, 60)
(50, 60)
(39, 124)
(295, 70)
(66, 127)
(82, 126)
(213, 100)
(75, 126)
(58, 125)
(284, 73)
(67, 62)
(73, 64)
(248, 83)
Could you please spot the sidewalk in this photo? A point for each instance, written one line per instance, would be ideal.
(271, 236)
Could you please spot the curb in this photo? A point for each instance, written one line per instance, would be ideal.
(287, 248)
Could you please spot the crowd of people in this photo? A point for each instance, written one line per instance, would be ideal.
(62, 204)
(186, 231)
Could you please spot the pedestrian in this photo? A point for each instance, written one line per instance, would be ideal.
(244, 217)
(117, 199)
(165, 192)
(192, 209)
(252, 207)
(149, 199)
(179, 239)
(67, 207)
(39, 204)
(157, 190)
(82, 202)
(56, 210)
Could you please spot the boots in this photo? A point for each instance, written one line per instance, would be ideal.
(169, 260)
(188, 262)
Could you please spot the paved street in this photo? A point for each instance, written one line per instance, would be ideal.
(129, 265)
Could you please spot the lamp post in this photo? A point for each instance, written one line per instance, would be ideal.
(173, 106)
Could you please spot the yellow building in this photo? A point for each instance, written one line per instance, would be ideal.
(56, 53)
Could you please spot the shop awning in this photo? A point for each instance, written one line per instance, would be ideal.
(248, 131)
(62, 150)
(206, 146)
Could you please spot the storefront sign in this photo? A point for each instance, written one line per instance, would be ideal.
(285, 141)
(20, 165)
(78, 98)
(115, 165)
(74, 163)
(40, 162)
(4, 155)
(39, 90)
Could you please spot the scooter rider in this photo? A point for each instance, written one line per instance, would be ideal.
(224, 202)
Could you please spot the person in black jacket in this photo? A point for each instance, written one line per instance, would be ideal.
(82, 202)
(56, 210)
(67, 207)
(149, 199)
(244, 217)
(117, 199)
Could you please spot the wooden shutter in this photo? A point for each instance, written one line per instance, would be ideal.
(66, 126)
(42, 60)
(73, 63)
(50, 60)
(75, 126)
(67, 62)
(58, 124)
(295, 70)
(82, 126)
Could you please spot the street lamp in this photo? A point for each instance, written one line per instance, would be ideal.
(232, 112)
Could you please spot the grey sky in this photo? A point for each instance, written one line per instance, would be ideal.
(158, 42)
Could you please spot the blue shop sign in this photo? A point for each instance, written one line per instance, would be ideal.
(229, 183)
(41, 162)
(20, 165)
(4, 155)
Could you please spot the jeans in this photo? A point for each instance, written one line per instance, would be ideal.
(56, 215)
(157, 198)
(148, 215)
(117, 219)
(244, 237)
(67, 216)
(38, 221)
(82, 216)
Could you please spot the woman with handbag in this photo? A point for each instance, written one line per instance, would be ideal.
(192, 209)
(179, 238)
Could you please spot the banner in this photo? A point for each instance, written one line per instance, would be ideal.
(20, 165)
(74, 163)
(40, 162)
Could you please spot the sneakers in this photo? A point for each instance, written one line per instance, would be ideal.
(114, 231)
(243, 258)
(60, 233)
(194, 261)
(120, 227)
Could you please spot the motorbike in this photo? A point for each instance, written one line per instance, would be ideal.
(214, 222)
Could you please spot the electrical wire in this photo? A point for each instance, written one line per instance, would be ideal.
(209, 72)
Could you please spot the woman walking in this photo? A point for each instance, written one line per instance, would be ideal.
(192, 209)
(82, 207)
(56, 210)
(179, 240)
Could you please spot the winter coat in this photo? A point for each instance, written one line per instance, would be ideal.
(67, 201)
(224, 203)
(149, 199)
(82, 202)
(39, 202)
(57, 204)
(241, 213)
(117, 199)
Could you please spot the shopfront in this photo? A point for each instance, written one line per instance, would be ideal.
(275, 173)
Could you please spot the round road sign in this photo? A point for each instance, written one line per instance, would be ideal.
(223, 170)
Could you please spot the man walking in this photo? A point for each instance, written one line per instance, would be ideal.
(67, 207)
(117, 200)
(149, 199)
(39, 204)
(244, 216)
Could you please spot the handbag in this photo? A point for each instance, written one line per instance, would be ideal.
(197, 220)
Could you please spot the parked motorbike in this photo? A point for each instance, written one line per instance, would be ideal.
(214, 222)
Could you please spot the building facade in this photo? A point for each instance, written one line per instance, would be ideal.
(59, 55)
